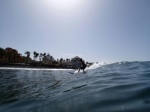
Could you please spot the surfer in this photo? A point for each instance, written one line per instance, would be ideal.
(83, 66)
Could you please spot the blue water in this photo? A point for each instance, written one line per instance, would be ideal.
(116, 87)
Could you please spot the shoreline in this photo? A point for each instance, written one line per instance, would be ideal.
(36, 66)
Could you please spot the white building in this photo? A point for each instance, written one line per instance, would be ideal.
(48, 59)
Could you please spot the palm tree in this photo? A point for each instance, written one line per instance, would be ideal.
(67, 60)
(28, 55)
(35, 55)
(44, 54)
(43, 57)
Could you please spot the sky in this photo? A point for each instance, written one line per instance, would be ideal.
(95, 30)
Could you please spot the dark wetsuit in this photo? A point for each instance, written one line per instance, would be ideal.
(83, 65)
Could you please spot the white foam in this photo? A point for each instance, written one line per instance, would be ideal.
(97, 65)
(81, 71)
(93, 66)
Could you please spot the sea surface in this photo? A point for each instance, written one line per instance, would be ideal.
(115, 87)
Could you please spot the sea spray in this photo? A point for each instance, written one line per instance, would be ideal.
(97, 65)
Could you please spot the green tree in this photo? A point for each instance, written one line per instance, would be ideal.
(8, 51)
(2, 53)
(61, 60)
(14, 55)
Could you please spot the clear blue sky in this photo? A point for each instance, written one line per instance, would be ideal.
(96, 30)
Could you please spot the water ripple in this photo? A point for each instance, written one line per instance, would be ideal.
(117, 87)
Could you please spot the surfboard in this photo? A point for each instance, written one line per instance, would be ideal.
(81, 71)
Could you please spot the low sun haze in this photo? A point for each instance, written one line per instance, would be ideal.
(96, 30)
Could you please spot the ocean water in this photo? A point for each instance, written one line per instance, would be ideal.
(116, 87)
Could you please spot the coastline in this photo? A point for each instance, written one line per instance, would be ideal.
(36, 66)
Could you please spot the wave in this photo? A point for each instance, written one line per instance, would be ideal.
(97, 65)
(106, 87)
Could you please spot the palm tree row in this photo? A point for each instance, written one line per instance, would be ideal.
(10, 55)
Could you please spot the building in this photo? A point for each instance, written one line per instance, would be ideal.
(48, 59)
